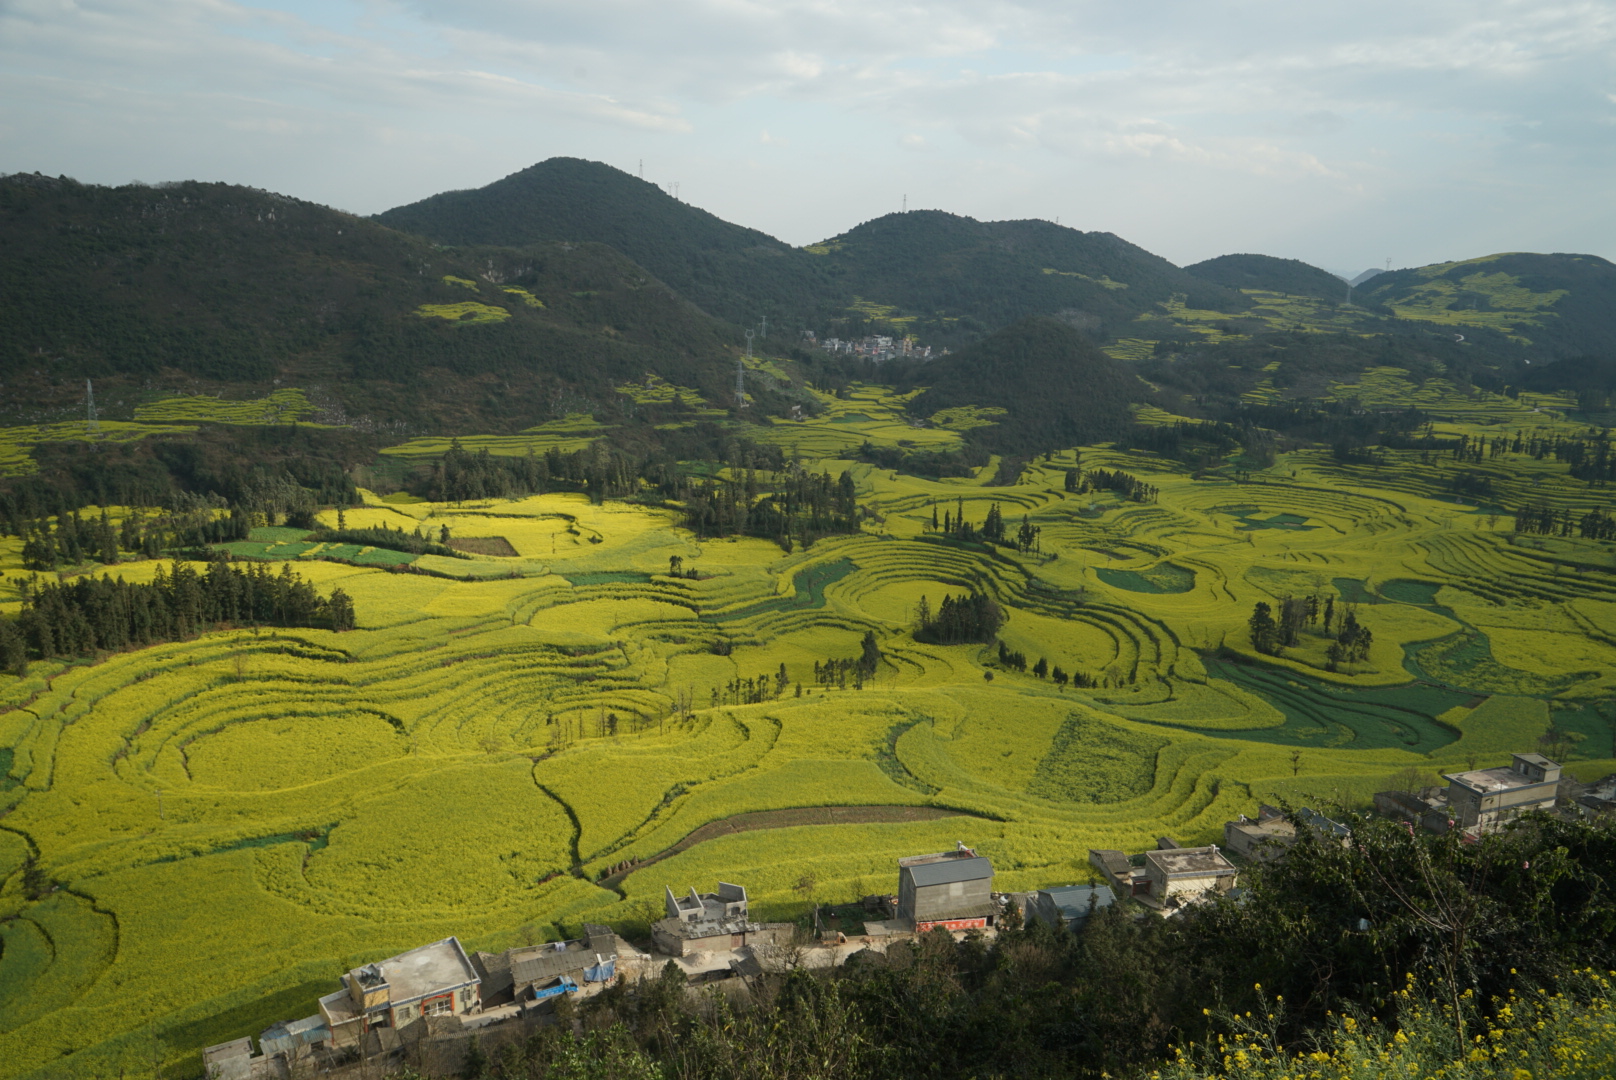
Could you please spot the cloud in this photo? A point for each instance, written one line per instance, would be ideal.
(1263, 110)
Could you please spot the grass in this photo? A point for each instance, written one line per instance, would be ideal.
(503, 731)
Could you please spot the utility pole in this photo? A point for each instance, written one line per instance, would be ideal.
(642, 168)
(765, 330)
(92, 425)
(160, 815)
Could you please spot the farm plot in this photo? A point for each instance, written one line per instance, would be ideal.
(555, 712)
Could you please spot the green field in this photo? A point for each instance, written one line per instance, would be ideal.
(480, 753)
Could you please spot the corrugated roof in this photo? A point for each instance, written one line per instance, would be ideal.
(948, 871)
(1073, 900)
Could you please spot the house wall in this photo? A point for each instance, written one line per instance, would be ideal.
(935, 901)
(1162, 888)
(1474, 808)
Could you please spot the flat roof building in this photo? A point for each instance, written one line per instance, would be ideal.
(950, 889)
(1486, 798)
(712, 922)
(232, 1060)
(1170, 879)
(1271, 834)
(432, 980)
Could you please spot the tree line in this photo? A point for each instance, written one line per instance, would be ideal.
(1272, 632)
(1546, 521)
(958, 619)
(89, 615)
(1017, 661)
(1130, 487)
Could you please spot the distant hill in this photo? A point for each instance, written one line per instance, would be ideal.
(731, 271)
(1561, 304)
(1290, 276)
(949, 277)
(1365, 276)
(1056, 386)
(229, 284)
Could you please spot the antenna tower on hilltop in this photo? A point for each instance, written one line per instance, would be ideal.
(92, 424)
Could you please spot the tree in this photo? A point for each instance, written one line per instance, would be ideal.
(1263, 631)
(869, 655)
(1041, 668)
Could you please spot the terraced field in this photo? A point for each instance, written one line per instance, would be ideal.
(213, 829)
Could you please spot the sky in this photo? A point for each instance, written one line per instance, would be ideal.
(1340, 134)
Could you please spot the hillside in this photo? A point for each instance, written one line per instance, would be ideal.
(1290, 276)
(944, 277)
(1561, 304)
(1055, 386)
(732, 271)
(951, 278)
(215, 285)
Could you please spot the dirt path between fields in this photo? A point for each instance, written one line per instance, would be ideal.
(785, 819)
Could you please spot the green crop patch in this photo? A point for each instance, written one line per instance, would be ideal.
(1405, 591)
(1162, 578)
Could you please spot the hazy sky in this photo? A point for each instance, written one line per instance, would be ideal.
(1342, 134)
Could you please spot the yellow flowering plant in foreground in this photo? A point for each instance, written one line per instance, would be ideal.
(1569, 1034)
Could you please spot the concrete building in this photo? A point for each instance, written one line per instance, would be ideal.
(1067, 907)
(712, 922)
(1486, 798)
(951, 889)
(514, 974)
(1427, 808)
(433, 980)
(1270, 835)
(233, 1060)
(1596, 799)
(1182, 875)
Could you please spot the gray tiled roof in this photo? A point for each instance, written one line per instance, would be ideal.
(947, 871)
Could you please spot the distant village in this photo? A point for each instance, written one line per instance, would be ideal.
(438, 993)
(876, 348)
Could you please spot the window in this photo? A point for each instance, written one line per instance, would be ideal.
(438, 1006)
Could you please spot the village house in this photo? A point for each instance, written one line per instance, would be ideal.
(1596, 799)
(1182, 875)
(1067, 907)
(1270, 835)
(1168, 877)
(522, 974)
(950, 889)
(712, 922)
(432, 980)
(233, 1060)
(1486, 798)
(1427, 808)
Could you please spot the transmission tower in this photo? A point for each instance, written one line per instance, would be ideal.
(92, 425)
(740, 374)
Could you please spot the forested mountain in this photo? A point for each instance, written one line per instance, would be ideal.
(947, 278)
(235, 285)
(1290, 276)
(1561, 304)
(958, 278)
(734, 272)
(1056, 386)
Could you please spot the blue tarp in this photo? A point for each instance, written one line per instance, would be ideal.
(602, 972)
(564, 986)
